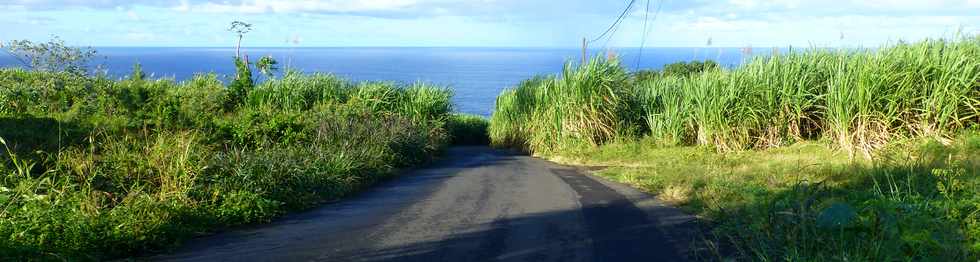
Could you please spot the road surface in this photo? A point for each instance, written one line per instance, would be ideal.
(477, 204)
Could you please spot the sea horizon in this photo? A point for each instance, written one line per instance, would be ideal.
(476, 74)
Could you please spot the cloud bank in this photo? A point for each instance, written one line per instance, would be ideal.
(487, 22)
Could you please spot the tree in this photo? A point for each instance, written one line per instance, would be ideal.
(240, 28)
(681, 69)
(242, 84)
(267, 66)
(689, 68)
(51, 56)
(138, 74)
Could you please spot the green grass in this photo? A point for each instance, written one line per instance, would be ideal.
(582, 105)
(809, 202)
(816, 155)
(95, 169)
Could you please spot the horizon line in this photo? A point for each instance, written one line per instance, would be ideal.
(473, 47)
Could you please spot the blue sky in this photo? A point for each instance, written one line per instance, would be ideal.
(509, 23)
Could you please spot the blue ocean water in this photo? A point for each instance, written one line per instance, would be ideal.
(477, 75)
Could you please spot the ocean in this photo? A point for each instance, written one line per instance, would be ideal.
(477, 75)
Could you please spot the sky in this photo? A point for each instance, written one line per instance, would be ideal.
(488, 23)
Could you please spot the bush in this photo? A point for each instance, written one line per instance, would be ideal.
(469, 130)
(679, 69)
(98, 169)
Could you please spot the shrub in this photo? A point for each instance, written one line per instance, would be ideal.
(468, 129)
(97, 169)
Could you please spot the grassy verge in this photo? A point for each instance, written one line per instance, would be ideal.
(816, 155)
(95, 169)
(810, 202)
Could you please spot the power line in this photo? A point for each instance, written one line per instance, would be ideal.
(643, 42)
(619, 20)
(612, 35)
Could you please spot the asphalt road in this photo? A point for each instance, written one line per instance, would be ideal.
(477, 204)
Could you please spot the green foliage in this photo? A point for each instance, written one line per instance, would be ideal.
(137, 74)
(689, 68)
(267, 66)
(679, 69)
(240, 29)
(838, 215)
(916, 200)
(861, 100)
(469, 129)
(243, 82)
(51, 56)
(424, 102)
(590, 104)
(95, 169)
(686, 135)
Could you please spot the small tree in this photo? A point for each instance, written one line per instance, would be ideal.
(689, 68)
(51, 56)
(267, 66)
(138, 74)
(240, 28)
(242, 84)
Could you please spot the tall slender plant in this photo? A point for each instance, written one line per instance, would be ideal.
(240, 28)
(243, 74)
(138, 73)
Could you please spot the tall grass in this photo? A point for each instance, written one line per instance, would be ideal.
(769, 152)
(591, 104)
(860, 99)
(95, 169)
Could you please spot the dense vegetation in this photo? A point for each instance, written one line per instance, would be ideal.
(469, 130)
(95, 168)
(675, 69)
(816, 155)
(860, 100)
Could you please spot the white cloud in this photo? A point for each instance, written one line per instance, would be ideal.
(719, 24)
(133, 15)
(285, 6)
(920, 5)
(489, 22)
(754, 4)
(798, 30)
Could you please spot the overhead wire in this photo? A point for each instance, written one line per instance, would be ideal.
(610, 37)
(614, 26)
(646, 31)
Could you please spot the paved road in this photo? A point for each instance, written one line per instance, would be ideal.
(478, 204)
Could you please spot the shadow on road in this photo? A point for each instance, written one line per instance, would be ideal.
(585, 220)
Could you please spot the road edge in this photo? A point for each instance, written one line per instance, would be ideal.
(685, 232)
